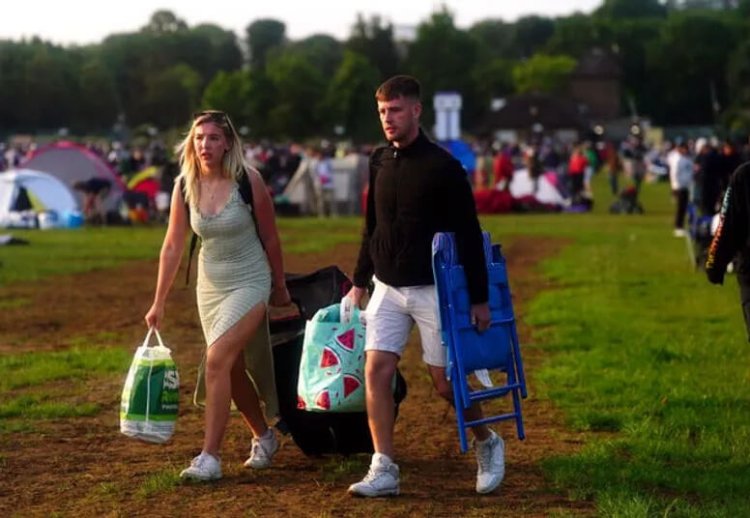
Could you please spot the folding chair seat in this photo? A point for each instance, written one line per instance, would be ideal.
(495, 350)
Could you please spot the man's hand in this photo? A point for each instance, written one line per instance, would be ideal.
(355, 295)
(715, 276)
(480, 316)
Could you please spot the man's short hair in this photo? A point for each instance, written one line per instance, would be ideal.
(399, 86)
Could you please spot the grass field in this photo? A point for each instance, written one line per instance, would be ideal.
(643, 354)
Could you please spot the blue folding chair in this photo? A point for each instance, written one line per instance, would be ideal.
(496, 349)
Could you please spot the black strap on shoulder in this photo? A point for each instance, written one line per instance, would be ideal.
(246, 193)
(194, 237)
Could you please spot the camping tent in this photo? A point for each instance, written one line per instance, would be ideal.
(547, 193)
(24, 190)
(146, 181)
(70, 163)
(349, 175)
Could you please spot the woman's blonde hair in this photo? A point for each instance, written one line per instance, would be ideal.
(233, 165)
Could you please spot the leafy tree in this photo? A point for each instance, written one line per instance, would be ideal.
(49, 87)
(530, 34)
(452, 72)
(229, 91)
(374, 40)
(631, 42)
(493, 79)
(262, 36)
(322, 51)
(223, 48)
(494, 39)
(542, 73)
(164, 21)
(618, 9)
(97, 107)
(576, 34)
(691, 73)
(350, 100)
(300, 89)
(170, 96)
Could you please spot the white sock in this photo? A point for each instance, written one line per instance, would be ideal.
(381, 459)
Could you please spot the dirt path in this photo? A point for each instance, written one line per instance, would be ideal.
(84, 467)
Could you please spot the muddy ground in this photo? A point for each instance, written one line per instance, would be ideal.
(85, 467)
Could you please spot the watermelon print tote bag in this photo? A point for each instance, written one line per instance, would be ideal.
(332, 367)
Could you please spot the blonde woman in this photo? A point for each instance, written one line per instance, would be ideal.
(240, 271)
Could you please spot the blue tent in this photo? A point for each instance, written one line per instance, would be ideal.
(462, 152)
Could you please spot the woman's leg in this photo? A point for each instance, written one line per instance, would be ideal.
(246, 399)
(220, 359)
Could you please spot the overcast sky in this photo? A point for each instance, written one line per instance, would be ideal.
(82, 22)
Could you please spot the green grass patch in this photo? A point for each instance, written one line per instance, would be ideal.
(159, 482)
(14, 303)
(647, 356)
(74, 251)
(93, 248)
(36, 368)
(39, 406)
(347, 468)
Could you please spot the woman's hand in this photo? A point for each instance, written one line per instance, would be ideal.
(155, 316)
(280, 296)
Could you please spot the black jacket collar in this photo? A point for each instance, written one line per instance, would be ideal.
(415, 145)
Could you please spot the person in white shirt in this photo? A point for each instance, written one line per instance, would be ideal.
(681, 180)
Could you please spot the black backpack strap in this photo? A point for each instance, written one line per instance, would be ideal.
(246, 192)
(194, 237)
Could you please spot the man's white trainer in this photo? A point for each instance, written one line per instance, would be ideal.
(490, 462)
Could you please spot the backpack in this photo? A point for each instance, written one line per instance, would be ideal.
(246, 192)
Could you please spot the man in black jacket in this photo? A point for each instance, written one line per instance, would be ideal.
(416, 189)
(732, 238)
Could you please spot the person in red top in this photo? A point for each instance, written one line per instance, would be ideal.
(502, 168)
(576, 167)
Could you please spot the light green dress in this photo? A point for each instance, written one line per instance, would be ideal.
(234, 276)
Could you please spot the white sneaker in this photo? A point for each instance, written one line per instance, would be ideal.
(679, 232)
(381, 479)
(262, 451)
(491, 463)
(203, 468)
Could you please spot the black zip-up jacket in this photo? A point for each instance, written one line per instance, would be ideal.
(732, 238)
(415, 192)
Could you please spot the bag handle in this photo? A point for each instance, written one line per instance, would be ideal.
(152, 330)
(347, 310)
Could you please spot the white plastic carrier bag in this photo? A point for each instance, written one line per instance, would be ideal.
(150, 397)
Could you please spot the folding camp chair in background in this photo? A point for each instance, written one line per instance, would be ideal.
(495, 350)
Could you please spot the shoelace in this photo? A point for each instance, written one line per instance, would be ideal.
(484, 457)
(258, 450)
(372, 474)
(199, 461)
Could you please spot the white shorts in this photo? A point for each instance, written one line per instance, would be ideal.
(391, 314)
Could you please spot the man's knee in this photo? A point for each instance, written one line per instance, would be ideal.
(380, 366)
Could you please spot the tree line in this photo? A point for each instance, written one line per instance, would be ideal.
(683, 62)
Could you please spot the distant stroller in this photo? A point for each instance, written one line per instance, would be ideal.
(627, 202)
